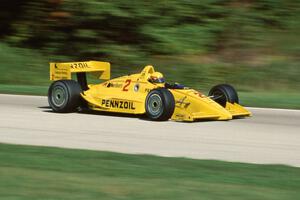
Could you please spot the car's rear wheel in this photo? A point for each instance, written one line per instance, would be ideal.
(64, 96)
(224, 93)
(160, 104)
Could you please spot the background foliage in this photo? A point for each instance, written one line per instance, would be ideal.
(253, 44)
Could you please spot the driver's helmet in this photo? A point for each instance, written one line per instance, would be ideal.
(156, 77)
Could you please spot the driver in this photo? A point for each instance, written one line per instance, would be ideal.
(156, 77)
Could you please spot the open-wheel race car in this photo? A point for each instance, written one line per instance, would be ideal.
(142, 93)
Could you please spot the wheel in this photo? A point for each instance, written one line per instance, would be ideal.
(224, 93)
(64, 96)
(160, 104)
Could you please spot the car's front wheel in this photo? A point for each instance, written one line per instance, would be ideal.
(64, 96)
(224, 93)
(160, 104)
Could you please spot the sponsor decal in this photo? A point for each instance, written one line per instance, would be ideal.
(199, 94)
(81, 65)
(109, 103)
(180, 115)
(115, 85)
(60, 74)
(181, 102)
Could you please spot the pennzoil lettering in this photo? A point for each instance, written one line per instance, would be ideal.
(118, 104)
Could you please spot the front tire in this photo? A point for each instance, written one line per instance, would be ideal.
(160, 104)
(64, 96)
(224, 93)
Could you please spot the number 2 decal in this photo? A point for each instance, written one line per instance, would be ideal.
(127, 83)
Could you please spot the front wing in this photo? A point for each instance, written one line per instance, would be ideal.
(191, 105)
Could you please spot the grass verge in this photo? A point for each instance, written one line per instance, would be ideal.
(271, 99)
(53, 173)
(23, 89)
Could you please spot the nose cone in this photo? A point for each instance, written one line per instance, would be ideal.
(191, 106)
(209, 109)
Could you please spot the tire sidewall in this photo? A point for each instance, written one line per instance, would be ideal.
(167, 107)
(228, 91)
(53, 86)
(72, 92)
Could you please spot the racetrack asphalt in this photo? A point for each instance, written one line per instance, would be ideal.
(271, 136)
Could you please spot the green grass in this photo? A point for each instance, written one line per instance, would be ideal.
(21, 66)
(53, 173)
(270, 100)
(23, 89)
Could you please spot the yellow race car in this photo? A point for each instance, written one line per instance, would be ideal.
(142, 93)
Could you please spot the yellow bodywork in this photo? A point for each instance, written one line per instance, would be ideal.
(127, 94)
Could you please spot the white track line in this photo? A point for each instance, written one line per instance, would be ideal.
(273, 109)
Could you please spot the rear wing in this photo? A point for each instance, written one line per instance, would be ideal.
(63, 71)
(59, 71)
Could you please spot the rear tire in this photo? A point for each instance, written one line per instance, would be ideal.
(160, 104)
(64, 96)
(224, 93)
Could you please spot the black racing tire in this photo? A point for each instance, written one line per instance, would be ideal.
(64, 96)
(223, 93)
(160, 104)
